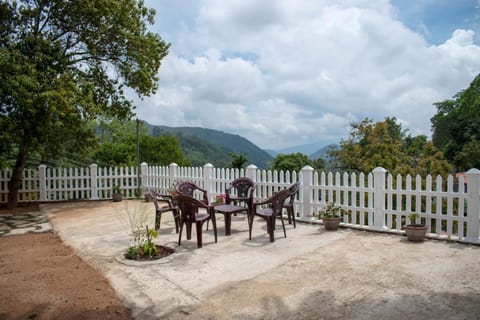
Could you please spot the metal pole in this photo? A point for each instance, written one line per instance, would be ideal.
(138, 159)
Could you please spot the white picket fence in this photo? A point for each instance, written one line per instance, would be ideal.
(376, 201)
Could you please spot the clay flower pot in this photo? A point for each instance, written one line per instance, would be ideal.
(415, 232)
(331, 223)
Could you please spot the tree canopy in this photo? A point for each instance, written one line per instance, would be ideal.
(456, 127)
(239, 160)
(118, 146)
(64, 63)
(385, 144)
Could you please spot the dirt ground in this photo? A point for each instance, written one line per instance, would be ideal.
(42, 278)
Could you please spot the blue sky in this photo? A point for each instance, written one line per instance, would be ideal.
(292, 72)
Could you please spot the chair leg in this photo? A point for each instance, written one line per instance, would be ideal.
(270, 228)
(175, 218)
(250, 227)
(188, 224)
(180, 233)
(283, 225)
(291, 216)
(158, 218)
(199, 225)
(214, 224)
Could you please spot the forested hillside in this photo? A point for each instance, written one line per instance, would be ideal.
(202, 145)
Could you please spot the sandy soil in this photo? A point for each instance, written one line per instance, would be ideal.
(41, 278)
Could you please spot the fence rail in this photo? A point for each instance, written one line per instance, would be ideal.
(449, 208)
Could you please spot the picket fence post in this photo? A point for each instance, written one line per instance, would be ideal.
(473, 214)
(173, 173)
(208, 180)
(145, 178)
(252, 172)
(42, 182)
(306, 185)
(379, 198)
(93, 182)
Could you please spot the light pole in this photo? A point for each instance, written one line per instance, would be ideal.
(138, 159)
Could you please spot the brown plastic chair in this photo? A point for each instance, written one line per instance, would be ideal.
(269, 210)
(188, 188)
(163, 203)
(240, 190)
(290, 201)
(189, 214)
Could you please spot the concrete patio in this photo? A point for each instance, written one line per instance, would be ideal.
(311, 274)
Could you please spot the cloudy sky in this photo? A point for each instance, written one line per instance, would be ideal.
(289, 72)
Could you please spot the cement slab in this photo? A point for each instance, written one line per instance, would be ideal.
(311, 274)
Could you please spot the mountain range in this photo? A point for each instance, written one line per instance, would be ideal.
(202, 145)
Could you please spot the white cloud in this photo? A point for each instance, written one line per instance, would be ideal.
(283, 73)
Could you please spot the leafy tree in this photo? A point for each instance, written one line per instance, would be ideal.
(456, 127)
(385, 144)
(290, 162)
(64, 63)
(319, 164)
(238, 160)
(119, 146)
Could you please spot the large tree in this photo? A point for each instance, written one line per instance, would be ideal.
(65, 62)
(456, 127)
(385, 144)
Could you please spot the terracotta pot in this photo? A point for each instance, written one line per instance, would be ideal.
(415, 232)
(331, 223)
(117, 197)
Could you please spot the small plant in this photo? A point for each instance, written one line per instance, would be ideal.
(172, 190)
(144, 246)
(331, 211)
(116, 189)
(413, 218)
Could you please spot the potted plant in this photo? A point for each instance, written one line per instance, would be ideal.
(116, 193)
(415, 232)
(331, 216)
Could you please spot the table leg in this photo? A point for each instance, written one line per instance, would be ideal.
(228, 223)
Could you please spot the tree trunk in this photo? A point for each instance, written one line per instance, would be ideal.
(17, 177)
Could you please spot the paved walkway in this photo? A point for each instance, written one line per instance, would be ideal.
(22, 223)
(311, 274)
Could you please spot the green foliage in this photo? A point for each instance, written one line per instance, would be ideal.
(238, 160)
(64, 63)
(119, 146)
(319, 164)
(202, 146)
(331, 211)
(144, 248)
(290, 162)
(116, 189)
(456, 127)
(385, 144)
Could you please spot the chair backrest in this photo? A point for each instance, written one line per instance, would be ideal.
(189, 188)
(293, 192)
(240, 189)
(277, 201)
(188, 206)
(156, 197)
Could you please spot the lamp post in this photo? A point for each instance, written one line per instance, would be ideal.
(138, 159)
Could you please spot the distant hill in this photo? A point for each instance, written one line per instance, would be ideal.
(271, 152)
(304, 148)
(322, 152)
(202, 145)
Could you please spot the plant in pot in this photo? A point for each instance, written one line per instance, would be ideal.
(116, 193)
(331, 216)
(415, 231)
